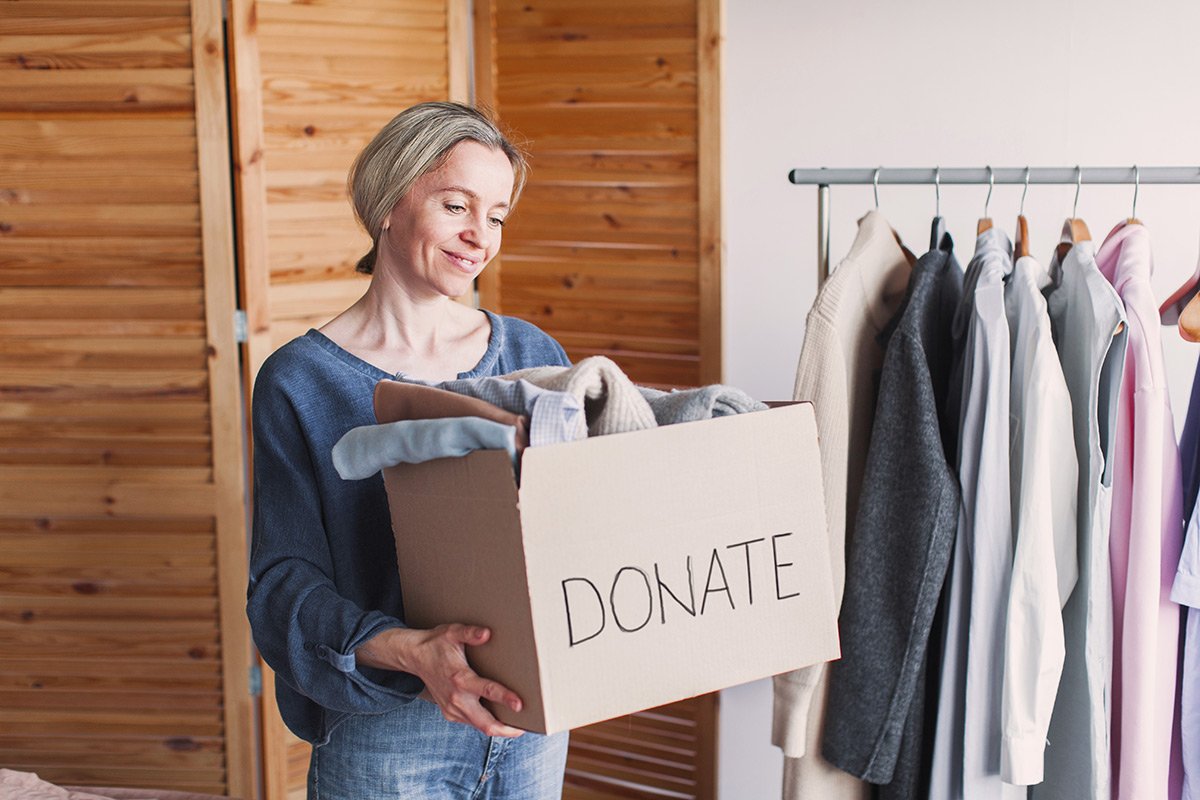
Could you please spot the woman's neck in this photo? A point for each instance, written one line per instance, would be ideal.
(430, 337)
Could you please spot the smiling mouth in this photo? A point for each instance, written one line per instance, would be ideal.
(464, 263)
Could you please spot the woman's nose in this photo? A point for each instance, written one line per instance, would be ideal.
(477, 233)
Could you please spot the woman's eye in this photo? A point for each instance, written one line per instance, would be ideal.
(497, 222)
(455, 208)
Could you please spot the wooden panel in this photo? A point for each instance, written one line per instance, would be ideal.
(615, 250)
(121, 494)
(619, 109)
(664, 752)
(312, 83)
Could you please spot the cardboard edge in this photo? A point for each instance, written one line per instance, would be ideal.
(541, 711)
(424, 484)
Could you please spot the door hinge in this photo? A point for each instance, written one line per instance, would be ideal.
(255, 680)
(240, 324)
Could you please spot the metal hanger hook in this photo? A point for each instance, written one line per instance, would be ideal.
(937, 191)
(875, 185)
(991, 185)
(1137, 182)
(1024, 192)
(1078, 186)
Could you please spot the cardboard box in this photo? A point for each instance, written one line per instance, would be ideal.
(627, 571)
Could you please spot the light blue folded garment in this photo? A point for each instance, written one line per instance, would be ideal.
(705, 402)
(367, 449)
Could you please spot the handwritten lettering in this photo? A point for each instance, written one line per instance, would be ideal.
(632, 597)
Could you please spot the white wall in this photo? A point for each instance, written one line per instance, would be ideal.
(925, 83)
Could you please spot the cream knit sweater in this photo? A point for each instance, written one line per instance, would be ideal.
(611, 402)
(839, 366)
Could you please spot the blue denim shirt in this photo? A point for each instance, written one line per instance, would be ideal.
(323, 574)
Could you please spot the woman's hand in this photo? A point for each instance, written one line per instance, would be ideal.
(438, 657)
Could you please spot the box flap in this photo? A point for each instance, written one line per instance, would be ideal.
(459, 550)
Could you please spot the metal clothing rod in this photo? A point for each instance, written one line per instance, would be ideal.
(980, 175)
(823, 178)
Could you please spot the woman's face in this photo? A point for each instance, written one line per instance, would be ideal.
(447, 228)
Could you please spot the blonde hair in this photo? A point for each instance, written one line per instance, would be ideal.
(416, 141)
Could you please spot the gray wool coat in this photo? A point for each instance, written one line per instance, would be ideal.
(904, 532)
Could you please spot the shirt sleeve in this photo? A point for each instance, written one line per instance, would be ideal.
(306, 631)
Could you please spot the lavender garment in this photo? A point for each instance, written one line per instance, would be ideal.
(1145, 539)
(1186, 592)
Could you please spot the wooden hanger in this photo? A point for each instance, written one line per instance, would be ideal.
(1137, 182)
(1021, 246)
(1171, 311)
(985, 222)
(1189, 320)
(1075, 229)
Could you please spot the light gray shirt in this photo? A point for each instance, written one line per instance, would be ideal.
(966, 761)
(1088, 320)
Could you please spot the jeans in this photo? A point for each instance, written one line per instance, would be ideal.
(413, 752)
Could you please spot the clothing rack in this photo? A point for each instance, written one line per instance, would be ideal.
(823, 178)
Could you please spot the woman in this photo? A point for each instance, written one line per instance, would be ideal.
(393, 712)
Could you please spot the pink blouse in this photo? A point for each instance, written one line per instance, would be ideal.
(1146, 540)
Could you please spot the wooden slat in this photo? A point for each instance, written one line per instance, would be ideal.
(307, 93)
(21, 499)
(100, 95)
(106, 725)
(610, 167)
(359, 42)
(100, 303)
(661, 45)
(391, 15)
(349, 65)
(660, 12)
(117, 581)
(107, 136)
(565, 128)
(70, 9)
(125, 41)
(177, 413)
(121, 353)
(399, 6)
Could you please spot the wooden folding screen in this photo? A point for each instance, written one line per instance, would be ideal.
(615, 247)
(313, 81)
(124, 657)
(615, 250)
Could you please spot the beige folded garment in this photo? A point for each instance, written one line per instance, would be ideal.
(611, 402)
